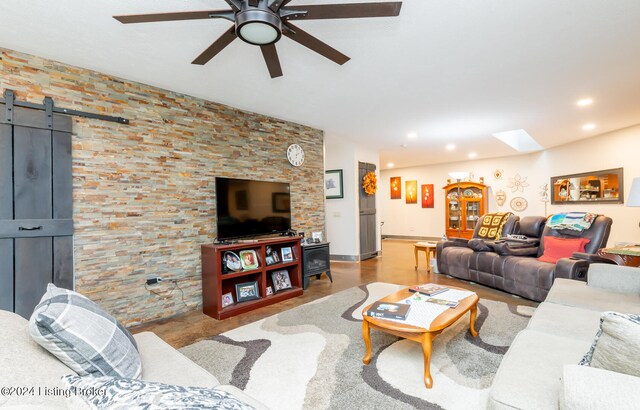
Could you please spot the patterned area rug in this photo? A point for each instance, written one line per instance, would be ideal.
(310, 357)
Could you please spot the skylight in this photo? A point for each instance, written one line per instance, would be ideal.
(519, 140)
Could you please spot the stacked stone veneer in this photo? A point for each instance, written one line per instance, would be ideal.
(144, 197)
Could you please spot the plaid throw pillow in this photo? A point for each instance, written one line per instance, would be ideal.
(83, 336)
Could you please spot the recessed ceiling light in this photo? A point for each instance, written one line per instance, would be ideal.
(391, 164)
(588, 127)
(584, 102)
(472, 155)
(451, 147)
(412, 135)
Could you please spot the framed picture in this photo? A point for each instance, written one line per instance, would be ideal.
(227, 299)
(281, 202)
(269, 260)
(287, 254)
(269, 290)
(247, 291)
(411, 192)
(317, 237)
(232, 261)
(426, 193)
(396, 187)
(249, 259)
(333, 184)
(280, 279)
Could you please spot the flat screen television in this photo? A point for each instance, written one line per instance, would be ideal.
(251, 208)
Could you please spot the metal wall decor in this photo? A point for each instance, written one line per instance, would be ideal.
(518, 183)
(519, 204)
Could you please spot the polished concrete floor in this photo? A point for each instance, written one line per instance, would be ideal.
(396, 265)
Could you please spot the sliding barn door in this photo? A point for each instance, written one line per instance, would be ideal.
(367, 206)
(36, 225)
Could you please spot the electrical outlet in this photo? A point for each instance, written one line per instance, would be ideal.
(154, 281)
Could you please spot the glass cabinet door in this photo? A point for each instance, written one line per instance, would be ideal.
(472, 212)
(455, 213)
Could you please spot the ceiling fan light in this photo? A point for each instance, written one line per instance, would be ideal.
(258, 27)
(258, 33)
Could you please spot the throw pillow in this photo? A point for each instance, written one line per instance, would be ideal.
(83, 336)
(556, 248)
(121, 393)
(616, 345)
(491, 225)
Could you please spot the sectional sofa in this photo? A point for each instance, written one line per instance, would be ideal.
(24, 363)
(540, 370)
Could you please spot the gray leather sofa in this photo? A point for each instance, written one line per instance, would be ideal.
(513, 266)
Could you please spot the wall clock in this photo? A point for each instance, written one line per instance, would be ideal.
(295, 155)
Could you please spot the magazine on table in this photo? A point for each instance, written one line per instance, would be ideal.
(443, 302)
(430, 289)
(389, 310)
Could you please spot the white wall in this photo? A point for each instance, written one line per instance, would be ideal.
(342, 215)
(617, 149)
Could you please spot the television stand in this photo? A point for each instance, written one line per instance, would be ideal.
(218, 281)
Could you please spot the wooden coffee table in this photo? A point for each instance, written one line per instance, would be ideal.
(422, 335)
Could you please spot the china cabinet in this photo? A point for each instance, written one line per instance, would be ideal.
(465, 204)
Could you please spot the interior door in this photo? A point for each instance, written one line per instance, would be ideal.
(367, 204)
(36, 226)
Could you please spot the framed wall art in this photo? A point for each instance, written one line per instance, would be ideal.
(333, 184)
(396, 187)
(426, 194)
(411, 192)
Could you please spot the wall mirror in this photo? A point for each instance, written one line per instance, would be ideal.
(597, 186)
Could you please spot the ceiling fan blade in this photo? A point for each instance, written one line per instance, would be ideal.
(254, 3)
(277, 4)
(217, 46)
(270, 55)
(186, 15)
(345, 11)
(313, 43)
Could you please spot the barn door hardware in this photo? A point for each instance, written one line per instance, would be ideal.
(10, 102)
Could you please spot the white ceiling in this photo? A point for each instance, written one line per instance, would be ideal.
(453, 71)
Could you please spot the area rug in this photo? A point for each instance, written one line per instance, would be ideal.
(310, 357)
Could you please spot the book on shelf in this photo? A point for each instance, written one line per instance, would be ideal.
(443, 302)
(429, 289)
(389, 310)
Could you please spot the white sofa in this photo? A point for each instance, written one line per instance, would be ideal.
(24, 363)
(540, 370)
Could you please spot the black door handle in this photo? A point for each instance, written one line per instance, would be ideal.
(31, 228)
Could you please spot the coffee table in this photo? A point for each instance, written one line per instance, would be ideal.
(422, 335)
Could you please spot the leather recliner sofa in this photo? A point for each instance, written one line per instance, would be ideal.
(513, 266)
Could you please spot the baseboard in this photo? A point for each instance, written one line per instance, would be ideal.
(345, 258)
(417, 238)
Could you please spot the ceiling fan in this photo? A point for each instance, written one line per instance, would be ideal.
(263, 22)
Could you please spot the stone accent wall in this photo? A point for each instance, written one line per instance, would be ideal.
(143, 195)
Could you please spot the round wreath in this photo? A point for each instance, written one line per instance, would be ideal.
(370, 183)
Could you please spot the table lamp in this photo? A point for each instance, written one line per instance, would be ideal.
(634, 193)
